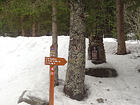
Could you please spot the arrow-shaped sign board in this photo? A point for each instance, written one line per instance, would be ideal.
(55, 61)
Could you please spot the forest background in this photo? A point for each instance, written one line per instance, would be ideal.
(34, 18)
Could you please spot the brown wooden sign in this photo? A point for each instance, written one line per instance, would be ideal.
(55, 61)
(52, 61)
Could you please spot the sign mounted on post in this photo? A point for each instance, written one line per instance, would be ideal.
(55, 61)
(95, 53)
(52, 61)
(52, 51)
(52, 47)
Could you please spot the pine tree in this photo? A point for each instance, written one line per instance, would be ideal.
(97, 19)
(121, 49)
(23, 15)
(132, 18)
(75, 75)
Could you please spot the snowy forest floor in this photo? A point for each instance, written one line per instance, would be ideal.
(22, 68)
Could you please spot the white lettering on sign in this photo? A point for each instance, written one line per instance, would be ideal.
(55, 61)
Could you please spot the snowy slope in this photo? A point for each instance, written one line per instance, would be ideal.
(22, 68)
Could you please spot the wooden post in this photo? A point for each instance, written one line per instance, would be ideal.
(51, 93)
(53, 61)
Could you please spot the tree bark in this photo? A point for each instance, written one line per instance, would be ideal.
(121, 50)
(38, 29)
(22, 29)
(96, 51)
(54, 37)
(75, 75)
(133, 19)
(33, 30)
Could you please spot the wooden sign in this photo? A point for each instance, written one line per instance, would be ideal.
(52, 61)
(52, 51)
(94, 53)
(55, 61)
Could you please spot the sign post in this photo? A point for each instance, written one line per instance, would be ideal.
(52, 61)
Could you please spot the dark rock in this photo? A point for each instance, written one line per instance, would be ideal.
(100, 100)
(108, 89)
(100, 81)
(105, 99)
(101, 72)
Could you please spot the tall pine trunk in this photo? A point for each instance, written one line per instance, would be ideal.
(75, 75)
(22, 28)
(54, 37)
(121, 50)
(33, 30)
(22, 31)
(38, 29)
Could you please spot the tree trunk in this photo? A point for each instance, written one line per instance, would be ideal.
(22, 29)
(22, 32)
(96, 51)
(33, 30)
(121, 50)
(75, 75)
(38, 29)
(54, 37)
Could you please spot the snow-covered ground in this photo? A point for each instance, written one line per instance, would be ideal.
(22, 68)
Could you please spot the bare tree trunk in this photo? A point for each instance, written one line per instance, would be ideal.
(33, 30)
(22, 29)
(38, 29)
(75, 75)
(54, 37)
(22, 32)
(121, 50)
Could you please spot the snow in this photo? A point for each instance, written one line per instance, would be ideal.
(22, 68)
(109, 40)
